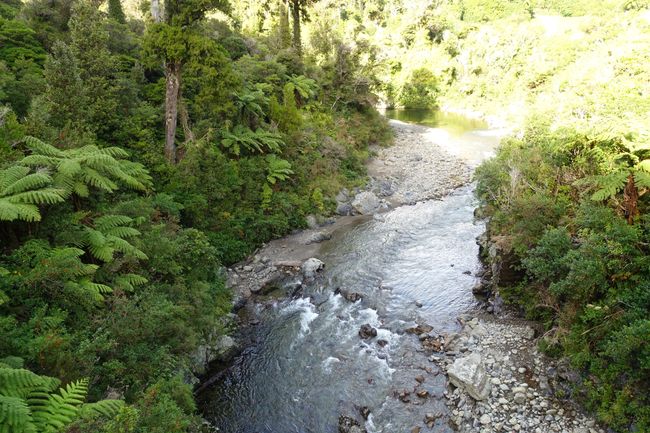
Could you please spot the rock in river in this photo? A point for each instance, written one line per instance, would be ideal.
(350, 425)
(367, 331)
(311, 267)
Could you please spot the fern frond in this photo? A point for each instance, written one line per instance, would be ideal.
(115, 152)
(61, 409)
(15, 416)
(18, 382)
(107, 222)
(125, 247)
(642, 179)
(128, 282)
(26, 183)
(39, 161)
(69, 167)
(123, 232)
(11, 175)
(18, 211)
(609, 185)
(97, 180)
(39, 196)
(39, 147)
(107, 408)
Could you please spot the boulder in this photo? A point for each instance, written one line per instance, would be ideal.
(366, 331)
(317, 237)
(350, 425)
(349, 296)
(311, 267)
(469, 374)
(343, 196)
(420, 329)
(365, 203)
(344, 209)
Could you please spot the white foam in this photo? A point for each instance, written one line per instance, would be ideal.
(327, 364)
(307, 313)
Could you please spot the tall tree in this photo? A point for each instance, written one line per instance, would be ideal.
(171, 39)
(298, 13)
(115, 11)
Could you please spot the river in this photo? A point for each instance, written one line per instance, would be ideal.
(305, 364)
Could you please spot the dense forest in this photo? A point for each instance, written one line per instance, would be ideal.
(146, 145)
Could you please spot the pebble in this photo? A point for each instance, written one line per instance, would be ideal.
(485, 419)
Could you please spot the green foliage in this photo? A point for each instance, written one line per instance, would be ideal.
(113, 271)
(244, 139)
(278, 170)
(108, 235)
(78, 169)
(115, 11)
(30, 403)
(22, 191)
(586, 266)
(420, 91)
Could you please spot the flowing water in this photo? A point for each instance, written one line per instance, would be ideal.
(306, 365)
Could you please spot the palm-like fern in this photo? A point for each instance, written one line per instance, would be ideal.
(75, 170)
(304, 88)
(30, 403)
(260, 141)
(22, 191)
(278, 169)
(108, 235)
(251, 105)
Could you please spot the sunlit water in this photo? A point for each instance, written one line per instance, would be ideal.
(306, 364)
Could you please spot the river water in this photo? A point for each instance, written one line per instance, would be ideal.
(305, 364)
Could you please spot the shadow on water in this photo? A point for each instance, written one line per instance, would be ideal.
(306, 364)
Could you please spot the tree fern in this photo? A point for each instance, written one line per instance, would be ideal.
(628, 171)
(107, 235)
(278, 169)
(75, 170)
(128, 282)
(30, 403)
(107, 408)
(304, 88)
(21, 192)
(259, 141)
(251, 105)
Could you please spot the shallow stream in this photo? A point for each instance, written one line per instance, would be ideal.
(306, 364)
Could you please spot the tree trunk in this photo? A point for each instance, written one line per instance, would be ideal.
(631, 199)
(295, 14)
(173, 85)
(155, 11)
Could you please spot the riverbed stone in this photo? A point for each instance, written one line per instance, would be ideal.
(311, 267)
(367, 331)
(469, 374)
(365, 203)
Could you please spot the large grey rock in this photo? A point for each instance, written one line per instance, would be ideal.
(317, 237)
(344, 209)
(221, 348)
(365, 203)
(311, 267)
(343, 196)
(469, 374)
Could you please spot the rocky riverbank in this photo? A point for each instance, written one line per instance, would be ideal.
(502, 383)
(497, 381)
